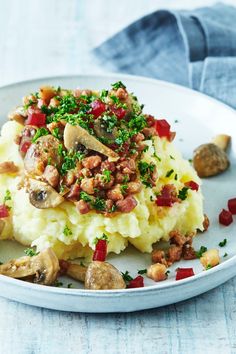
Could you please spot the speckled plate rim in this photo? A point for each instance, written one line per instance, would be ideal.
(230, 263)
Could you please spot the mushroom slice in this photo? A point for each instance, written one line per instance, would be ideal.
(101, 130)
(76, 271)
(43, 196)
(18, 115)
(102, 275)
(210, 160)
(74, 135)
(8, 167)
(222, 141)
(42, 268)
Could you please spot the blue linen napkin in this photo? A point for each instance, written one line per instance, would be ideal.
(191, 48)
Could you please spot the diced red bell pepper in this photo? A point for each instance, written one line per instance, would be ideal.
(119, 112)
(36, 118)
(163, 128)
(225, 217)
(192, 185)
(232, 205)
(25, 146)
(150, 121)
(183, 273)
(137, 282)
(98, 107)
(4, 211)
(100, 252)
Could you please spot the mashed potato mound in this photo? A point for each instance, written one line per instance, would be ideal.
(144, 225)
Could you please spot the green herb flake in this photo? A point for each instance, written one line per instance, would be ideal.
(30, 252)
(124, 188)
(167, 273)
(171, 157)
(69, 286)
(225, 255)
(209, 266)
(7, 196)
(40, 132)
(117, 85)
(58, 283)
(106, 176)
(103, 237)
(156, 157)
(56, 133)
(67, 231)
(200, 252)
(223, 243)
(85, 196)
(126, 276)
(176, 177)
(169, 173)
(183, 193)
(99, 204)
(142, 271)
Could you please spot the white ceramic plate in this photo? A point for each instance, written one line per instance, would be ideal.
(196, 118)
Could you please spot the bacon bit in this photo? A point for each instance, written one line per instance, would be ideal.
(232, 205)
(74, 192)
(178, 238)
(100, 252)
(174, 254)
(192, 185)
(51, 175)
(168, 196)
(158, 256)
(183, 273)
(87, 185)
(137, 282)
(91, 162)
(4, 211)
(188, 252)
(115, 193)
(127, 205)
(107, 165)
(83, 207)
(8, 167)
(206, 223)
(25, 146)
(157, 272)
(225, 217)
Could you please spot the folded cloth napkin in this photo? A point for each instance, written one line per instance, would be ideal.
(191, 48)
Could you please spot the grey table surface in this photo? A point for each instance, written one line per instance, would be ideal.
(53, 37)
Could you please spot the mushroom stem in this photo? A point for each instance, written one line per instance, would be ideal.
(222, 141)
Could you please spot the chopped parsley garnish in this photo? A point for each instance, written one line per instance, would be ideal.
(157, 157)
(99, 204)
(124, 188)
(146, 148)
(69, 285)
(137, 123)
(106, 176)
(30, 252)
(183, 193)
(56, 133)
(123, 136)
(176, 121)
(171, 157)
(70, 159)
(1, 263)
(169, 173)
(200, 252)
(146, 170)
(126, 276)
(117, 102)
(109, 122)
(223, 243)
(85, 196)
(151, 198)
(142, 271)
(103, 95)
(118, 84)
(225, 255)
(209, 266)
(67, 231)
(167, 273)
(176, 177)
(58, 283)
(40, 132)
(190, 160)
(7, 196)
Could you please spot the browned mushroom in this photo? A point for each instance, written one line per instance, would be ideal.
(8, 167)
(76, 271)
(18, 114)
(101, 130)
(43, 196)
(102, 275)
(42, 268)
(45, 149)
(74, 135)
(210, 160)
